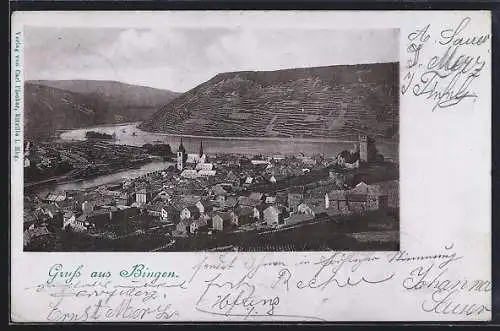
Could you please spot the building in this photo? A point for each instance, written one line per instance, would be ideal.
(55, 197)
(249, 202)
(221, 221)
(336, 203)
(197, 225)
(81, 223)
(362, 198)
(294, 199)
(189, 212)
(197, 158)
(304, 208)
(270, 199)
(181, 156)
(217, 190)
(189, 173)
(363, 148)
(204, 166)
(143, 196)
(246, 215)
(32, 233)
(271, 215)
(182, 228)
(206, 173)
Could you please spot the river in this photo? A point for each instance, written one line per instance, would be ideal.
(234, 145)
(129, 134)
(101, 180)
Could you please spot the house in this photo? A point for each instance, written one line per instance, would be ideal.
(55, 197)
(124, 198)
(271, 215)
(348, 159)
(114, 212)
(332, 198)
(55, 217)
(304, 208)
(230, 202)
(357, 203)
(375, 199)
(81, 223)
(248, 180)
(201, 206)
(246, 215)
(221, 221)
(388, 193)
(259, 162)
(257, 196)
(181, 229)
(204, 166)
(248, 201)
(217, 190)
(198, 224)
(231, 178)
(336, 203)
(30, 234)
(188, 173)
(189, 212)
(29, 220)
(143, 196)
(270, 200)
(205, 205)
(99, 218)
(69, 219)
(164, 196)
(156, 209)
(206, 173)
(294, 199)
(190, 199)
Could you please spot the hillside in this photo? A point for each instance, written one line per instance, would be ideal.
(132, 102)
(334, 101)
(48, 109)
(51, 105)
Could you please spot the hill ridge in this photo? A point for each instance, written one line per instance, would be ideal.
(329, 101)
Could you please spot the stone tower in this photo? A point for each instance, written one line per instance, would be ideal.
(181, 153)
(363, 148)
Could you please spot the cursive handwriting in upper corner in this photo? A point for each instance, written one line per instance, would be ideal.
(445, 75)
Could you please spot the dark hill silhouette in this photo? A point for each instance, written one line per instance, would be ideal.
(334, 101)
(64, 104)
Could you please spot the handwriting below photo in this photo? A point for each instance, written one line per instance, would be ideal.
(215, 166)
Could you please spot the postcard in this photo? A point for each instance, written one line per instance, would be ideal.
(250, 166)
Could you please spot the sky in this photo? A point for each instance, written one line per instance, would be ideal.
(179, 59)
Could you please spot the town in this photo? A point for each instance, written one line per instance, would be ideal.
(219, 202)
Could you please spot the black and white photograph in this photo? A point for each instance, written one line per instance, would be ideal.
(211, 139)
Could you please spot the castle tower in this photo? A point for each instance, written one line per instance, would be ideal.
(363, 148)
(181, 155)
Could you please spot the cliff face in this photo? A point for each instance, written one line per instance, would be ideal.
(334, 101)
(54, 105)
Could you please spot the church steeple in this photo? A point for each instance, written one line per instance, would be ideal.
(181, 156)
(201, 148)
(181, 148)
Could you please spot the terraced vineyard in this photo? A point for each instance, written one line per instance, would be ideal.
(336, 101)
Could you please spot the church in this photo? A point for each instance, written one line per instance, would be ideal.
(190, 160)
